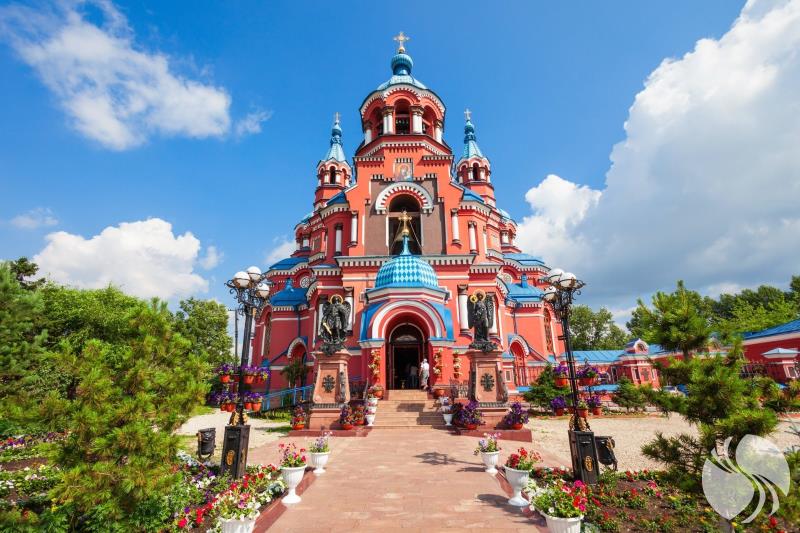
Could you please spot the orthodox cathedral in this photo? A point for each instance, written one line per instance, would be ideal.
(403, 235)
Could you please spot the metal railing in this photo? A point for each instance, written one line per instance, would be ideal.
(286, 397)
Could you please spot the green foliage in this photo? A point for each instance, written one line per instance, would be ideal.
(205, 324)
(720, 403)
(746, 316)
(629, 395)
(295, 372)
(595, 330)
(22, 268)
(678, 321)
(129, 399)
(544, 390)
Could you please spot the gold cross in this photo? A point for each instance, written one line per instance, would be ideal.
(401, 42)
(467, 114)
(405, 219)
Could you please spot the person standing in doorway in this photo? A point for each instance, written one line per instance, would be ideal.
(424, 373)
(413, 376)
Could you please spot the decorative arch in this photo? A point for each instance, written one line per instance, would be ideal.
(293, 347)
(428, 317)
(409, 188)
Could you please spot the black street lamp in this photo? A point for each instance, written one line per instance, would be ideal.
(562, 287)
(252, 293)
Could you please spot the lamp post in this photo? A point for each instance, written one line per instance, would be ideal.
(251, 292)
(562, 287)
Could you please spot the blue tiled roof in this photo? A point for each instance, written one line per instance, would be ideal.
(524, 259)
(595, 356)
(503, 213)
(523, 292)
(605, 388)
(289, 262)
(470, 196)
(406, 270)
(471, 148)
(655, 348)
(289, 296)
(336, 152)
(789, 327)
(340, 198)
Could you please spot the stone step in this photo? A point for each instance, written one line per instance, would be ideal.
(397, 426)
(421, 418)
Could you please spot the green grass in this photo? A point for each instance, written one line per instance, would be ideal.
(202, 410)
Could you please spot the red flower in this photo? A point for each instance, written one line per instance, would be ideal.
(261, 475)
(183, 522)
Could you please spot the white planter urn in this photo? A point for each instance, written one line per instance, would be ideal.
(318, 461)
(372, 402)
(563, 525)
(292, 476)
(234, 525)
(490, 461)
(372, 409)
(448, 419)
(370, 418)
(518, 479)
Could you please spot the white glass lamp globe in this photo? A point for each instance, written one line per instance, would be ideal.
(241, 279)
(554, 274)
(567, 280)
(254, 272)
(549, 294)
(262, 290)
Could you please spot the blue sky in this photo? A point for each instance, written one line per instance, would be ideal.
(551, 86)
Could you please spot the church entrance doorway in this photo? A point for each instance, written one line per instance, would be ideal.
(406, 350)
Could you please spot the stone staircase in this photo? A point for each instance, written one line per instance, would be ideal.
(407, 409)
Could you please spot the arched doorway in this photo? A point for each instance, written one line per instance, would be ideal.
(405, 353)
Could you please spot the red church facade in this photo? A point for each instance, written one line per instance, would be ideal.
(412, 307)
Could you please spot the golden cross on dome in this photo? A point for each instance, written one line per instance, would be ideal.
(467, 114)
(405, 219)
(401, 42)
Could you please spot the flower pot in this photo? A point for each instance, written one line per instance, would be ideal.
(563, 525)
(234, 525)
(583, 413)
(297, 427)
(225, 378)
(347, 426)
(292, 476)
(378, 394)
(559, 411)
(490, 461)
(518, 479)
(448, 419)
(597, 411)
(516, 426)
(561, 382)
(319, 460)
(470, 427)
(256, 406)
(248, 406)
(258, 379)
(438, 393)
(230, 407)
(361, 422)
(248, 380)
(370, 418)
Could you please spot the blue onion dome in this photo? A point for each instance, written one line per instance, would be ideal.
(402, 64)
(406, 270)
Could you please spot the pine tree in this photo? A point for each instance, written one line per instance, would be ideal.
(544, 390)
(629, 395)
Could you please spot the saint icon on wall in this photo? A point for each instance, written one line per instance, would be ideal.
(403, 171)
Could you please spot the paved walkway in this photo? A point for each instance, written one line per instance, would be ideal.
(409, 480)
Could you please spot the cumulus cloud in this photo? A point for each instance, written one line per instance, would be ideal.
(706, 185)
(212, 258)
(114, 91)
(143, 258)
(35, 218)
(251, 123)
(282, 247)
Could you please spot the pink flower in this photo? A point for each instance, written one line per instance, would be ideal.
(578, 484)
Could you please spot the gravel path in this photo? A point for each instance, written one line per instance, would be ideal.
(629, 434)
(261, 431)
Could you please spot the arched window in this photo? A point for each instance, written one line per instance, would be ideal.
(548, 332)
(475, 171)
(410, 205)
(332, 175)
(520, 374)
(402, 117)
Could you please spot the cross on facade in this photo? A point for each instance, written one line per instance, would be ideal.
(487, 381)
(467, 114)
(401, 42)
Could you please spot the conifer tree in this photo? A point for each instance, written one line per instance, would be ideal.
(544, 390)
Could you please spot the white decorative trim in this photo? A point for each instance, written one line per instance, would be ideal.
(404, 187)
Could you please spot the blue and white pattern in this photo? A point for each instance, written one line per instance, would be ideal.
(406, 270)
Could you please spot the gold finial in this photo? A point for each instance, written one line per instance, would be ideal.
(336, 118)
(401, 42)
(467, 114)
(405, 219)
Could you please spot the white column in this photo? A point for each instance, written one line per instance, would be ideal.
(354, 228)
(493, 329)
(367, 132)
(305, 241)
(462, 307)
(348, 297)
(470, 173)
(454, 220)
(485, 242)
(473, 239)
(437, 131)
(388, 120)
(482, 173)
(504, 237)
(416, 120)
(338, 248)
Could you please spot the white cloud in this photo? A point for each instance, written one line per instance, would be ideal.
(706, 185)
(282, 247)
(143, 258)
(251, 123)
(212, 258)
(113, 90)
(35, 218)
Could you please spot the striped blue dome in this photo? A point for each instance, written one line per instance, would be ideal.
(406, 270)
